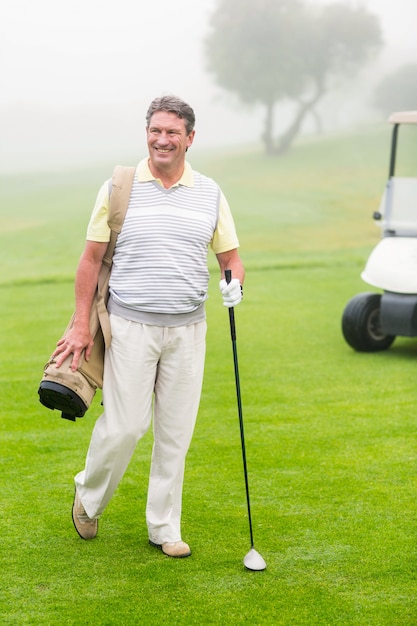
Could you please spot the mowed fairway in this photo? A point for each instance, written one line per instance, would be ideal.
(330, 434)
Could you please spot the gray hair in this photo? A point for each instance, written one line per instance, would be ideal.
(172, 104)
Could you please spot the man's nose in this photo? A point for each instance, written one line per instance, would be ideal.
(163, 137)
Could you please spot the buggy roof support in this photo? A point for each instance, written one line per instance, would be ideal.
(401, 117)
(393, 150)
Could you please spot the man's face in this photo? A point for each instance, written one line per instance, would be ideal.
(167, 141)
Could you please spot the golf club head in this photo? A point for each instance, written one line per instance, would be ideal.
(254, 561)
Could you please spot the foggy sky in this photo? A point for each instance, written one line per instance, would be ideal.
(77, 78)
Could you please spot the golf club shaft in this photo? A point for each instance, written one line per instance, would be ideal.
(228, 277)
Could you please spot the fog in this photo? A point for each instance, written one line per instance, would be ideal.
(77, 78)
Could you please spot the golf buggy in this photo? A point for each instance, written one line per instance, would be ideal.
(370, 320)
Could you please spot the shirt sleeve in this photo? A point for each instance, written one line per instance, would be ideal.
(225, 237)
(98, 228)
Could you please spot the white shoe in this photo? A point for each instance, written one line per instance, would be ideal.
(176, 549)
(87, 528)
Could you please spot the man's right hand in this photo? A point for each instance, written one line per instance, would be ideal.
(74, 342)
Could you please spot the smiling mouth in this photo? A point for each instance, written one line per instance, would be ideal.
(162, 150)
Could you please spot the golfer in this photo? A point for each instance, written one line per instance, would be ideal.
(158, 287)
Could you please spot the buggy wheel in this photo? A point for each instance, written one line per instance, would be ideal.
(361, 324)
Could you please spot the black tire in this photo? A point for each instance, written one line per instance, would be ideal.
(361, 325)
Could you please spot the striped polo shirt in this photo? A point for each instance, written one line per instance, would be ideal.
(159, 273)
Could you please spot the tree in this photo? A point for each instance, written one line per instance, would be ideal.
(397, 91)
(271, 50)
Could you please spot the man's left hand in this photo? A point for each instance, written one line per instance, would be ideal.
(231, 292)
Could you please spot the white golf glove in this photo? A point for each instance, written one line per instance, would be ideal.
(231, 292)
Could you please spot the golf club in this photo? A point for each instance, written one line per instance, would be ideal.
(253, 560)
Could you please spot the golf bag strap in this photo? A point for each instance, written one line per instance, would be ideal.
(122, 182)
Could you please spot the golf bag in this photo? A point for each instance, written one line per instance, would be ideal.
(61, 388)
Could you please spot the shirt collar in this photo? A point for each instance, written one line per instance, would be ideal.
(145, 175)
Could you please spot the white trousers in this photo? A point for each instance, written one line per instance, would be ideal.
(147, 369)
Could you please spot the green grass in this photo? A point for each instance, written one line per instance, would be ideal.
(330, 434)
